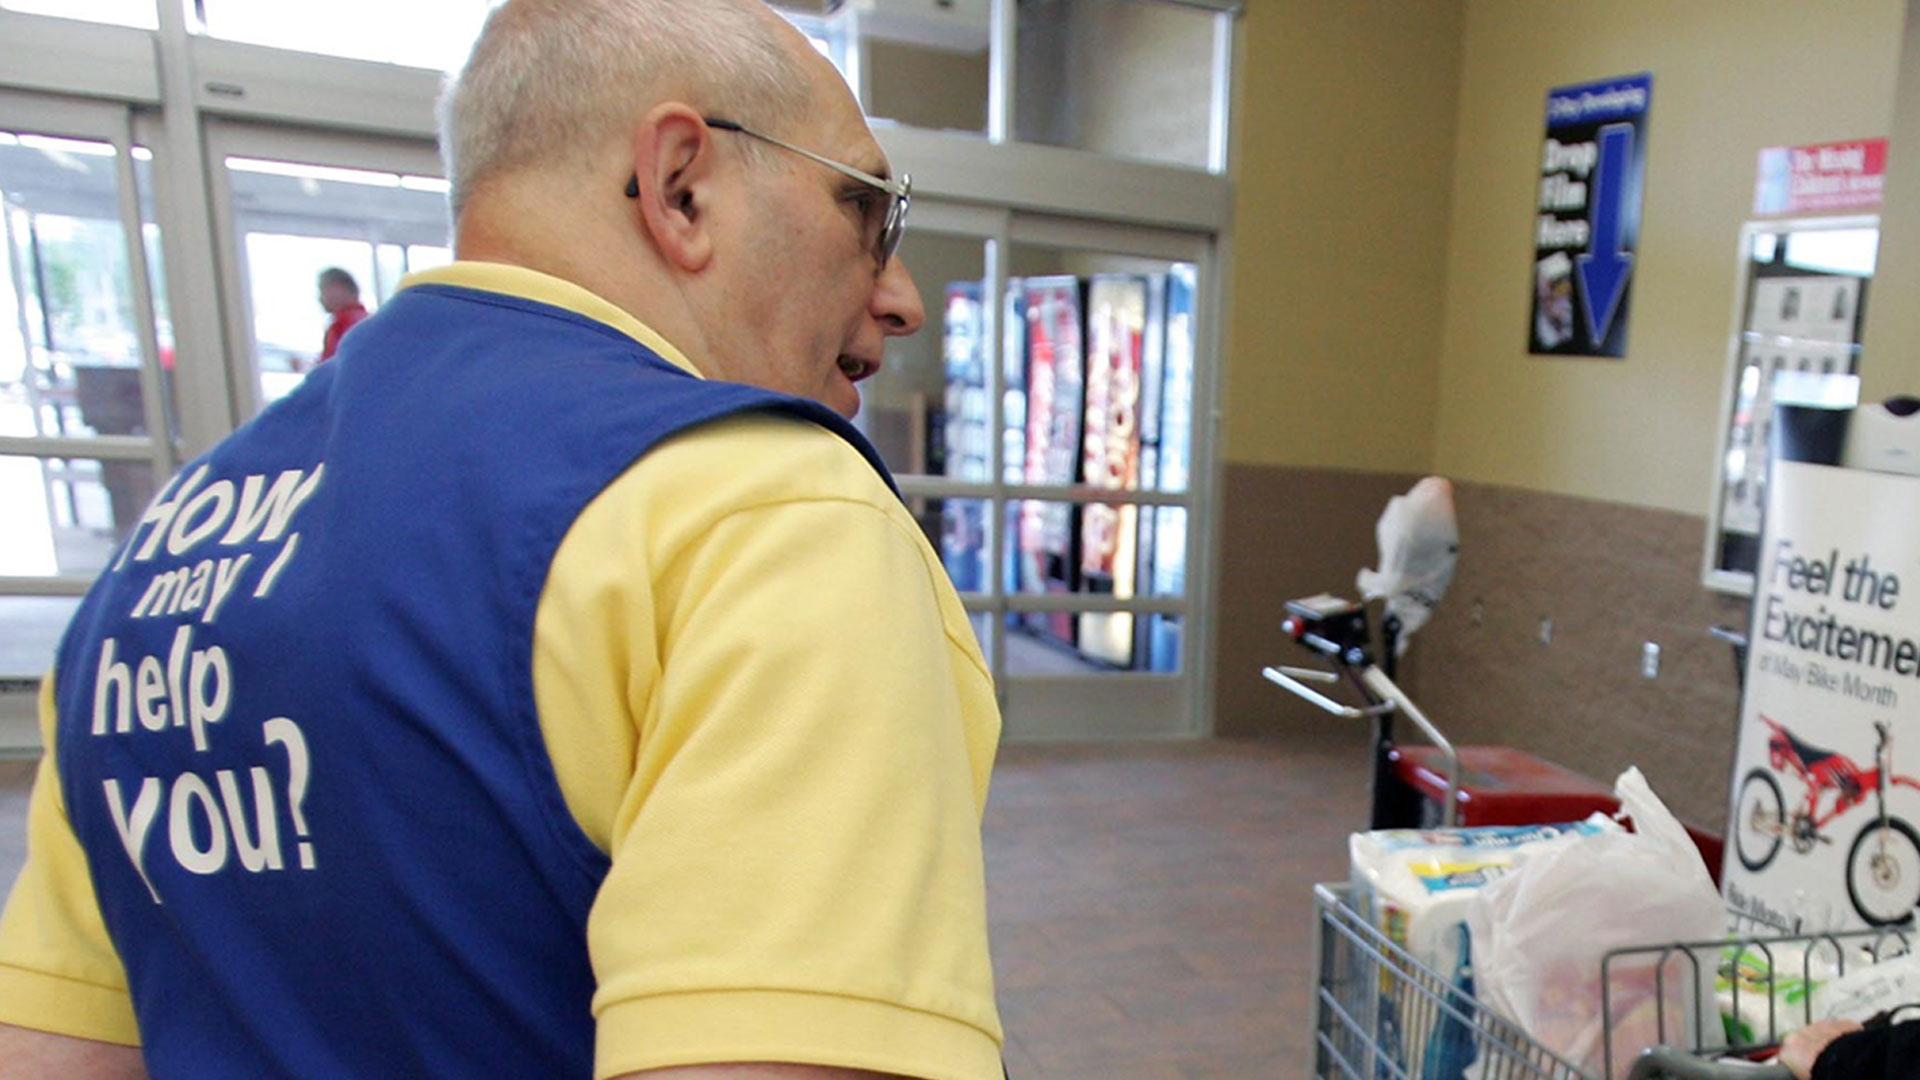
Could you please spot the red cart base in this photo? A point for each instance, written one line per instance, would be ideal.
(1500, 785)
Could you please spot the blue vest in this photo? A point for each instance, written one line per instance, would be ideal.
(297, 735)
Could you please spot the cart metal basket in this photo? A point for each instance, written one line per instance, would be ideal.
(1380, 1014)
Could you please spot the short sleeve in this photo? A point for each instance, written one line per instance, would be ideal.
(58, 970)
(796, 864)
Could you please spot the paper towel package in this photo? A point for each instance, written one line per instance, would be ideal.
(1767, 990)
(1413, 886)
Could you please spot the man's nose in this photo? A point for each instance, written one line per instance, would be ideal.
(896, 300)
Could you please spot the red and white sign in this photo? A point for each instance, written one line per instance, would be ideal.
(1821, 178)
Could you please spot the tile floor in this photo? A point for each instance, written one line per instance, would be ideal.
(1150, 903)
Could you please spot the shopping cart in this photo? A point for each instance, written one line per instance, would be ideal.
(1376, 1007)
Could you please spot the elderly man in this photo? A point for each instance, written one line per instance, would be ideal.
(553, 684)
(340, 299)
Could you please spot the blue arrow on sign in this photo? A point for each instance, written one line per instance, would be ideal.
(1604, 269)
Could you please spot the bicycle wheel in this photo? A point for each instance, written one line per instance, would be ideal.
(1759, 821)
(1883, 872)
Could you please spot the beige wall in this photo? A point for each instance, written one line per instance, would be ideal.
(1729, 77)
(1890, 357)
(1386, 173)
(929, 88)
(1345, 149)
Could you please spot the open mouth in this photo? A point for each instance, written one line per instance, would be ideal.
(856, 369)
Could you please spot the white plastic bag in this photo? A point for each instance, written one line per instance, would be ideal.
(1868, 988)
(1414, 885)
(1419, 544)
(1539, 935)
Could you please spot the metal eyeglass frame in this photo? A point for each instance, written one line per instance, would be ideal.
(899, 192)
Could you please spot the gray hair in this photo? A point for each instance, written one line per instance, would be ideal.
(550, 80)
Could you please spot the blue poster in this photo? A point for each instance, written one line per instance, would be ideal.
(1587, 216)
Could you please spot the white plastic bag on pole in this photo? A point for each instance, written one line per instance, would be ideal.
(1540, 933)
(1419, 544)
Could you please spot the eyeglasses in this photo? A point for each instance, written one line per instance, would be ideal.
(899, 192)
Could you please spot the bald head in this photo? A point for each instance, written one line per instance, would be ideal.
(552, 82)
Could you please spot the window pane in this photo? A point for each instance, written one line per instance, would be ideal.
(69, 355)
(1043, 558)
(297, 219)
(924, 65)
(1121, 551)
(289, 326)
(964, 544)
(64, 515)
(140, 13)
(1163, 550)
(1098, 370)
(1172, 439)
(1032, 651)
(927, 411)
(30, 629)
(982, 630)
(419, 33)
(1164, 653)
(390, 261)
(143, 180)
(956, 530)
(1052, 368)
(939, 84)
(427, 256)
(1129, 78)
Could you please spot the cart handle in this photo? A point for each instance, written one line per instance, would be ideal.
(1289, 677)
(1666, 1063)
(1388, 692)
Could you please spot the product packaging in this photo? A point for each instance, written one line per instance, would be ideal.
(1767, 990)
(1413, 885)
(1540, 936)
(1868, 989)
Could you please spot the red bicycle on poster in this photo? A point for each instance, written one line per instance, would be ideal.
(1883, 865)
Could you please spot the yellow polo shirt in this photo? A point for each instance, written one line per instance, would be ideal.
(764, 701)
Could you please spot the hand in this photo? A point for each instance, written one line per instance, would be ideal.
(1802, 1048)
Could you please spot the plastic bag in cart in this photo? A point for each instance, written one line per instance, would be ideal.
(1540, 933)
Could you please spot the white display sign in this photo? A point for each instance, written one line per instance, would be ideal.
(1825, 793)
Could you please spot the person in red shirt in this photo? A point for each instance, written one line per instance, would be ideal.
(340, 296)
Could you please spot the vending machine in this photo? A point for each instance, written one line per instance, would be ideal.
(966, 434)
(1168, 566)
(1153, 371)
(1110, 459)
(1055, 385)
(1013, 434)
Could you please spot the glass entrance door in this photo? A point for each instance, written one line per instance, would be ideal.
(84, 432)
(296, 206)
(1042, 428)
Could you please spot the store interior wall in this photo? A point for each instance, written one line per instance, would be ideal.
(1890, 342)
(1344, 155)
(1729, 78)
(1365, 359)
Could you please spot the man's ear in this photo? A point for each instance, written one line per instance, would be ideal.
(673, 171)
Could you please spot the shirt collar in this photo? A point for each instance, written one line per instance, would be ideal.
(529, 284)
